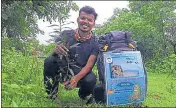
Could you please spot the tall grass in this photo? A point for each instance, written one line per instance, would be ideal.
(22, 80)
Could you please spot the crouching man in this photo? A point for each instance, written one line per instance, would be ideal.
(84, 55)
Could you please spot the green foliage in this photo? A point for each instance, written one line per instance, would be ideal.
(22, 85)
(19, 18)
(58, 29)
(163, 65)
(158, 14)
(142, 32)
(25, 47)
(48, 49)
(151, 23)
(21, 80)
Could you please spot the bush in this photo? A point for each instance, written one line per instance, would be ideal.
(22, 80)
(163, 65)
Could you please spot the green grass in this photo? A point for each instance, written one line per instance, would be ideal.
(161, 91)
(22, 86)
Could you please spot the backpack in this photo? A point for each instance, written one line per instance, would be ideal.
(115, 42)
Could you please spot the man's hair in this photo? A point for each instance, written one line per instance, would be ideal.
(88, 10)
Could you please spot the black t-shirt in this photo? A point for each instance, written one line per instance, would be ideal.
(83, 51)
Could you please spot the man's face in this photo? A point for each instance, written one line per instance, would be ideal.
(85, 21)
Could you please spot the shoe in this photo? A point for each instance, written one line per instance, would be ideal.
(85, 96)
(89, 100)
(82, 95)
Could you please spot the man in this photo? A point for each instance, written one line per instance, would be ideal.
(84, 56)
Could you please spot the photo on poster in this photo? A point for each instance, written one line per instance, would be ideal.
(118, 71)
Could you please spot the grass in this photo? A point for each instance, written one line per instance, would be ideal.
(22, 86)
(161, 91)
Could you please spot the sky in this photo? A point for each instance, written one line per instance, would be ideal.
(103, 8)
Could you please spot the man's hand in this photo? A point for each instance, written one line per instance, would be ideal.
(60, 49)
(67, 85)
(74, 81)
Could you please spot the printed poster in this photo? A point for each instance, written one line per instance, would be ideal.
(125, 78)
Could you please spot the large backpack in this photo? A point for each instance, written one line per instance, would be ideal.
(115, 41)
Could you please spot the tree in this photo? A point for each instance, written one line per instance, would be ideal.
(19, 17)
(156, 13)
(152, 24)
(142, 32)
(170, 31)
(57, 29)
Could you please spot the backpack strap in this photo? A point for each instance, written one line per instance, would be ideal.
(128, 41)
(108, 41)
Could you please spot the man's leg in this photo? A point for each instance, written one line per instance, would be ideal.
(86, 85)
(50, 76)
